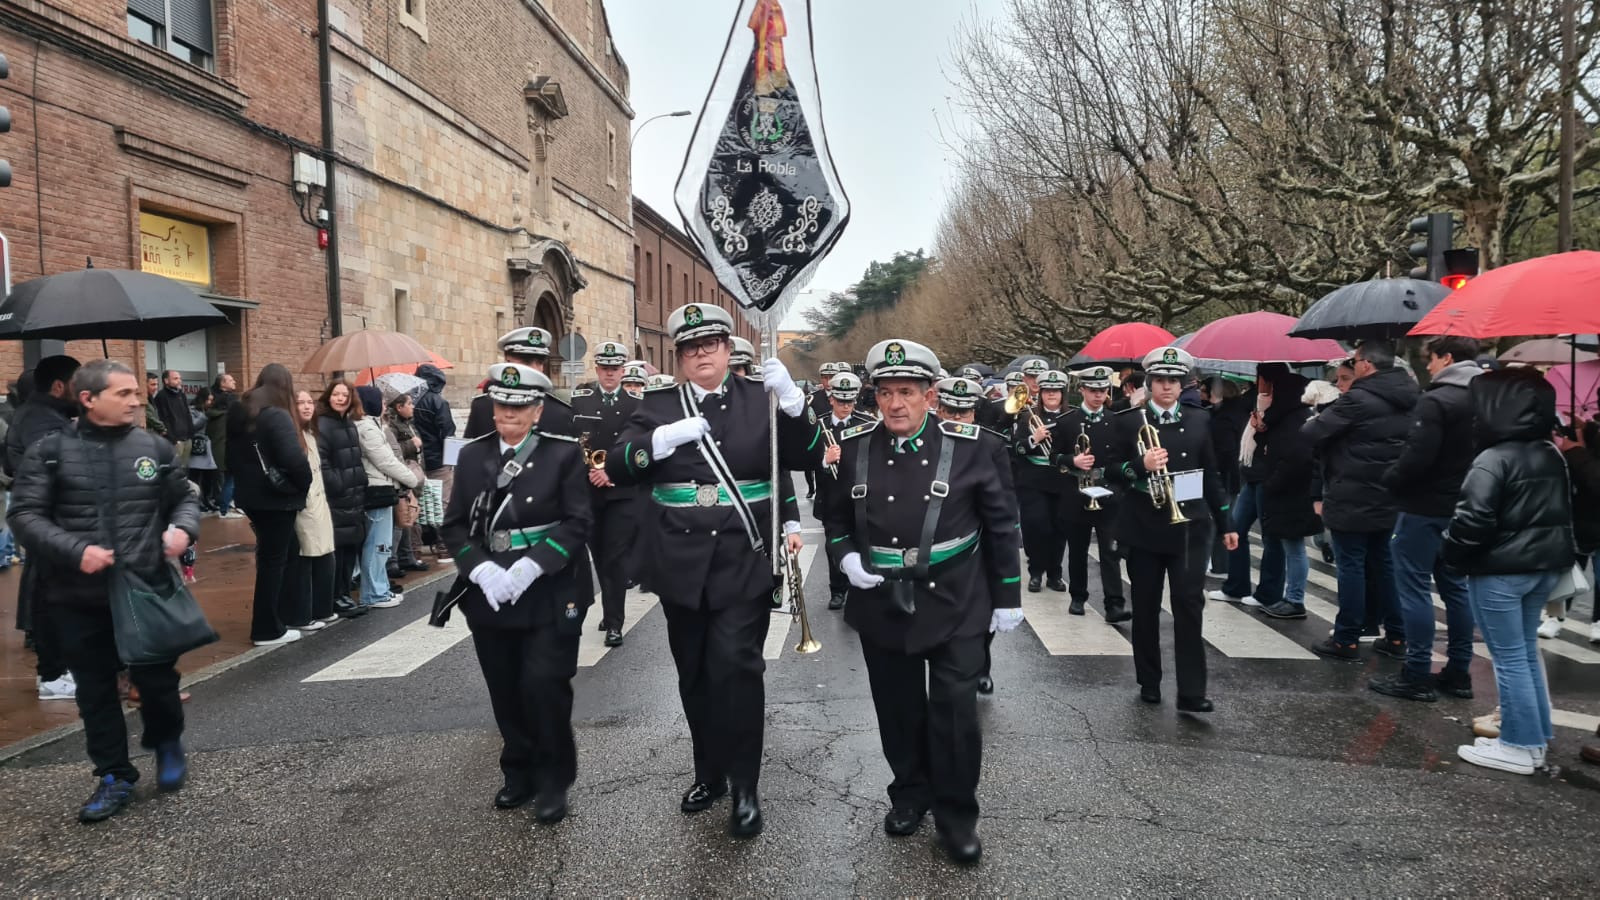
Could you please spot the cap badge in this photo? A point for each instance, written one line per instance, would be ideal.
(895, 354)
(959, 389)
(511, 378)
(692, 316)
(535, 338)
(1170, 357)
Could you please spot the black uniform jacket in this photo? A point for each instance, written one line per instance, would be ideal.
(961, 593)
(1188, 444)
(602, 422)
(552, 488)
(556, 418)
(701, 555)
(1036, 470)
(992, 414)
(1102, 430)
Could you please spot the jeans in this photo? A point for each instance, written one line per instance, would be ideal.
(8, 543)
(1507, 608)
(375, 554)
(1354, 552)
(1296, 568)
(227, 492)
(1415, 548)
(1246, 509)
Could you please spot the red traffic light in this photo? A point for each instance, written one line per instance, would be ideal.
(1455, 282)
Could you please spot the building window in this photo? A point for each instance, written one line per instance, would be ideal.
(669, 282)
(414, 15)
(182, 28)
(402, 310)
(649, 275)
(611, 156)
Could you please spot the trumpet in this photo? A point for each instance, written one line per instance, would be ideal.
(830, 441)
(594, 459)
(797, 605)
(1161, 492)
(1018, 400)
(1083, 447)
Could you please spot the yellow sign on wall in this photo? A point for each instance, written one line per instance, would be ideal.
(176, 249)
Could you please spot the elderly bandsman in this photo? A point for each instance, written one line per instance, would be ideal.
(529, 347)
(1041, 484)
(634, 379)
(1178, 467)
(598, 416)
(818, 401)
(842, 414)
(516, 522)
(1091, 422)
(928, 540)
(703, 451)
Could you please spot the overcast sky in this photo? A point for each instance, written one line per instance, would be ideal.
(882, 65)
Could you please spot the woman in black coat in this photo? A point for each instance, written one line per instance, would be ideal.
(1287, 513)
(263, 436)
(345, 479)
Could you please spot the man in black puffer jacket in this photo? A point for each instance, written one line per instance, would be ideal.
(1359, 437)
(1426, 480)
(69, 484)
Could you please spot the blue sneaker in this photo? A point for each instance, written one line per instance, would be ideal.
(171, 766)
(111, 795)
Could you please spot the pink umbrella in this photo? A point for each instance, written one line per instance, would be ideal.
(1581, 381)
(1259, 337)
(1124, 344)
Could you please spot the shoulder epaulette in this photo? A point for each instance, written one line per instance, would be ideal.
(858, 430)
(558, 437)
(581, 393)
(960, 430)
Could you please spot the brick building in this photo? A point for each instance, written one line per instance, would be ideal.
(671, 272)
(491, 179)
(161, 134)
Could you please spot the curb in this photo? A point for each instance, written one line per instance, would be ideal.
(46, 738)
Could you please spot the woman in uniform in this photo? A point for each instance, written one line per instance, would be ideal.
(518, 517)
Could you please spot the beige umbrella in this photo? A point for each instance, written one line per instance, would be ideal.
(366, 350)
(1545, 352)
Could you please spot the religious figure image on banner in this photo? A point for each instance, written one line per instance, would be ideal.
(758, 192)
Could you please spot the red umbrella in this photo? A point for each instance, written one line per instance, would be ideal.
(1259, 337)
(368, 376)
(1124, 344)
(1556, 294)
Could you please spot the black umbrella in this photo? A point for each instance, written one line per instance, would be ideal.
(1381, 308)
(103, 305)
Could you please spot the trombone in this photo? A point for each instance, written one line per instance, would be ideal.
(1161, 492)
(1083, 447)
(1018, 400)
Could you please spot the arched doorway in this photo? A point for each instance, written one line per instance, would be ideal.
(547, 314)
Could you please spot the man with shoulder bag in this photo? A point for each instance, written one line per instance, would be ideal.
(105, 509)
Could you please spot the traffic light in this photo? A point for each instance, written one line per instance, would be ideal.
(5, 124)
(1459, 267)
(1439, 229)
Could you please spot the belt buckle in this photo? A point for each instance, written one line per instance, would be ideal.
(705, 495)
(500, 541)
(910, 557)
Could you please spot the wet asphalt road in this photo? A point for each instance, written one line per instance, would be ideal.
(1303, 782)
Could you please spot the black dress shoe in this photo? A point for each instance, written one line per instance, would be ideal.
(1057, 584)
(551, 806)
(1075, 608)
(745, 820)
(903, 821)
(1150, 694)
(836, 600)
(985, 685)
(1195, 704)
(613, 637)
(1033, 584)
(964, 849)
(1453, 682)
(1117, 612)
(512, 797)
(702, 795)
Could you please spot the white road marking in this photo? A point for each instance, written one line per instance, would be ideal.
(1564, 719)
(398, 653)
(592, 643)
(1067, 635)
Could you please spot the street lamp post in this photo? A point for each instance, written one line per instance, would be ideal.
(671, 115)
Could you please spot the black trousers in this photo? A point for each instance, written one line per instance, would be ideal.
(720, 679)
(344, 569)
(276, 591)
(1044, 531)
(49, 663)
(927, 707)
(1183, 572)
(314, 588)
(90, 647)
(529, 673)
(611, 541)
(1079, 527)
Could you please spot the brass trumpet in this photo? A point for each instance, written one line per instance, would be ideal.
(594, 459)
(830, 441)
(797, 605)
(1018, 400)
(1083, 447)
(1161, 491)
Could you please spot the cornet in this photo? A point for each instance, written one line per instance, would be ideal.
(1083, 447)
(1018, 400)
(797, 605)
(830, 441)
(1161, 492)
(594, 459)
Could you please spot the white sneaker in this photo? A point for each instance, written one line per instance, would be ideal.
(394, 599)
(288, 637)
(63, 688)
(1594, 633)
(1248, 601)
(231, 514)
(1491, 754)
(313, 625)
(1550, 628)
(331, 620)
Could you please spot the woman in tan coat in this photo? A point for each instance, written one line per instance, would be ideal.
(313, 526)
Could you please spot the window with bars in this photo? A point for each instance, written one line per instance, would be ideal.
(182, 28)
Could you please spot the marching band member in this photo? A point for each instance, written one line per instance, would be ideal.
(1159, 550)
(530, 347)
(598, 416)
(703, 449)
(1040, 482)
(842, 414)
(517, 519)
(1094, 419)
(927, 538)
(634, 380)
(660, 380)
(818, 401)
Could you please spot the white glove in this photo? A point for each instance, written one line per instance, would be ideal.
(491, 578)
(521, 576)
(858, 575)
(778, 383)
(1005, 620)
(669, 437)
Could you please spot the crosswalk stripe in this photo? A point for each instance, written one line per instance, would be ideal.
(592, 644)
(778, 631)
(398, 653)
(1241, 635)
(1564, 719)
(1068, 635)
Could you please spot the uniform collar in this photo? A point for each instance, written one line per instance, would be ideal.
(701, 393)
(1093, 415)
(505, 446)
(910, 444)
(1176, 411)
